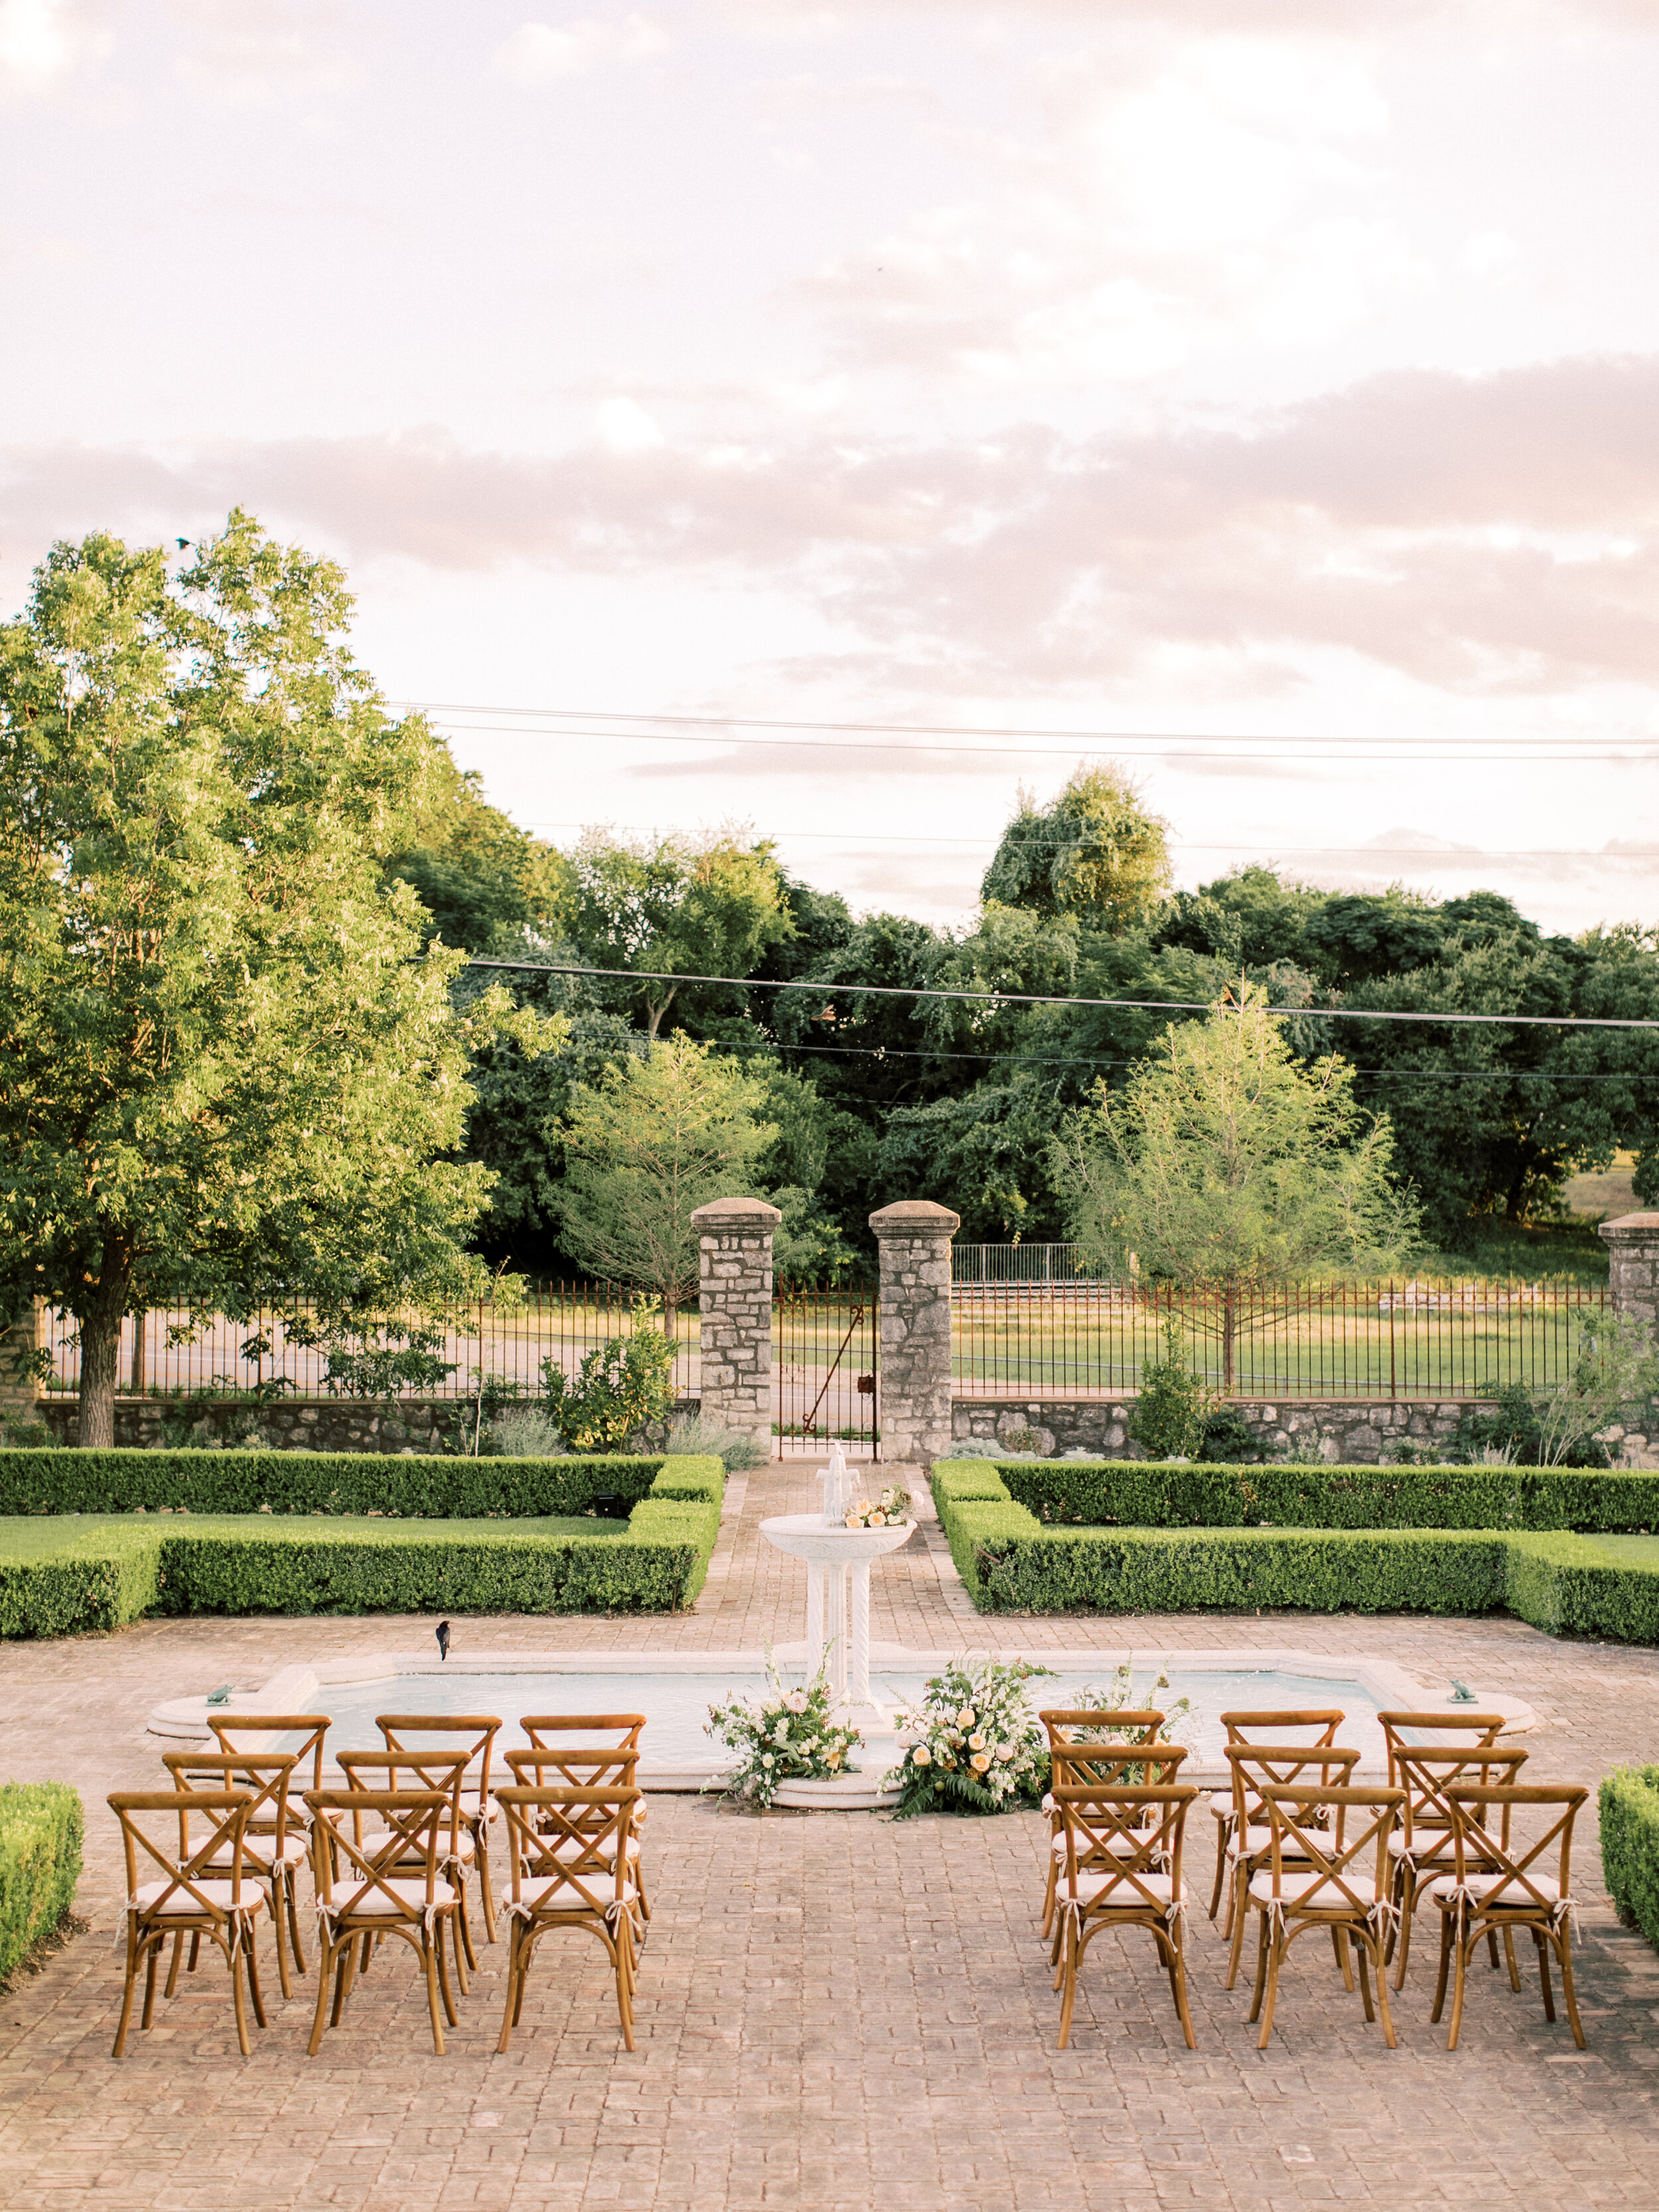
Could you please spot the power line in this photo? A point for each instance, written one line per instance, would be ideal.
(1039, 999)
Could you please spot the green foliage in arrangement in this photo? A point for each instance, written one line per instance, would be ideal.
(1629, 1808)
(1147, 1494)
(973, 1745)
(72, 1574)
(1558, 1581)
(41, 1829)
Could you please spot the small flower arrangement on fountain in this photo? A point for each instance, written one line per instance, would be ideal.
(891, 1509)
(973, 1745)
(1180, 1723)
(789, 1736)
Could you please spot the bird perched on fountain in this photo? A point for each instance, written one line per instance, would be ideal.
(443, 1639)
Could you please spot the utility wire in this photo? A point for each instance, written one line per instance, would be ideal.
(1039, 999)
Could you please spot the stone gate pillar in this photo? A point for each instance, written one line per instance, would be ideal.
(1633, 1243)
(915, 1239)
(19, 1333)
(735, 1296)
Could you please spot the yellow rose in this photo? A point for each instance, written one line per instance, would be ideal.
(851, 1521)
(976, 1743)
(877, 1519)
(980, 1761)
(921, 1756)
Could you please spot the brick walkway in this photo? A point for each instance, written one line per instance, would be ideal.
(834, 2011)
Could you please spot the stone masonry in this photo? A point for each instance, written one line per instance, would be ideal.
(1633, 1243)
(19, 1390)
(735, 1292)
(915, 1240)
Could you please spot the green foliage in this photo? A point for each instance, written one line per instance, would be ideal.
(1511, 1431)
(68, 1577)
(1628, 1808)
(654, 1141)
(42, 1827)
(1170, 1414)
(972, 1745)
(736, 1452)
(620, 1386)
(1093, 850)
(791, 1736)
(260, 1094)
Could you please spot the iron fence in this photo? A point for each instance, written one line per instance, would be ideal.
(165, 1354)
(1420, 1338)
(824, 1363)
(977, 1268)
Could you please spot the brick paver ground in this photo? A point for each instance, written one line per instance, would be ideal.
(834, 2011)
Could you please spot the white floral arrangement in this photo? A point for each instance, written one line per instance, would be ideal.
(788, 1737)
(1179, 1721)
(972, 1745)
(891, 1507)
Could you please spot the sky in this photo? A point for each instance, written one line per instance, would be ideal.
(710, 400)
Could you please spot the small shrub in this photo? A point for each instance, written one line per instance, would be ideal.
(1228, 1440)
(527, 1432)
(1513, 1435)
(1024, 1442)
(1168, 1418)
(736, 1452)
(1628, 1810)
(41, 1829)
(618, 1388)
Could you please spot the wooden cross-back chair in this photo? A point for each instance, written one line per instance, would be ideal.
(1084, 1765)
(186, 1898)
(1328, 1869)
(274, 1845)
(1265, 1724)
(549, 1768)
(625, 1728)
(1122, 1869)
(1496, 1884)
(570, 1867)
(1256, 1767)
(478, 1731)
(258, 1731)
(375, 1855)
(1422, 1847)
(443, 1771)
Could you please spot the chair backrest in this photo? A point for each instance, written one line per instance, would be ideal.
(1426, 1774)
(253, 1731)
(1129, 1841)
(1434, 1731)
(218, 1817)
(583, 1769)
(1523, 1871)
(405, 1825)
(1320, 1831)
(478, 1731)
(266, 1776)
(426, 1771)
(1253, 1766)
(577, 1838)
(625, 1728)
(1113, 1765)
(1268, 1726)
(1083, 1724)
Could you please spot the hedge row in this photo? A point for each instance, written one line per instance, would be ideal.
(1152, 1494)
(1012, 1563)
(67, 1579)
(1630, 1844)
(41, 1828)
(422, 1489)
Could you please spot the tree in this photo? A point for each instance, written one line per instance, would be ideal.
(1225, 1167)
(672, 906)
(226, 1075)
(1094, 852)
(655, 1139)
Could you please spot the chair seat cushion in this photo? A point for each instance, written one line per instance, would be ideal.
(373, 1903)
(1314, 1891)
(1119, 1892)
(181, 1905)
(546, 1892)
(1501, 1890)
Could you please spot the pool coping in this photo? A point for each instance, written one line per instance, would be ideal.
(297, 1688)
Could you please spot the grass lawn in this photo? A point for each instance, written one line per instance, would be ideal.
(1629, 1550)
(39, 1535)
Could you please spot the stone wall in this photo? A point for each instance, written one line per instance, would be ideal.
(734, 1260)
(326, 1424)
(913, 1381)
(1348, 1434)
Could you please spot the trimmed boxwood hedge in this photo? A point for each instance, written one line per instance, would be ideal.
(1630, 1845)
(60, 1578)
(1153, 1494)
(427, 1489)
(1010, 1562)
(41, 1829)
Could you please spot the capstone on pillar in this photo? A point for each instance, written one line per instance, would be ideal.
(915, 1240)
(735, 1294)
(1633, 1242)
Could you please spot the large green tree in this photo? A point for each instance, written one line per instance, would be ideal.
(1093, 851)
(225, 1073)
(1227, 1167)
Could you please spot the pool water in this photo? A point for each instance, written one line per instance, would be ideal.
(676, 1706)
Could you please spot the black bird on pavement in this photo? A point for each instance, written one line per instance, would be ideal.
(443, 1639)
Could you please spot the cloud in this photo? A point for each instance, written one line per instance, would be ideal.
(41, 40)
(1480, 534)
(540, 53)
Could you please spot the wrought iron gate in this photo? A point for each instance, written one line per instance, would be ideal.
(824, 1369)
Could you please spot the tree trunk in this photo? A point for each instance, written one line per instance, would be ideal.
(1228, 1334)
(671, 1311)
(101, 1353)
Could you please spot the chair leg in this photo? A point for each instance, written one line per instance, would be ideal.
(236, 1995)
(1463, 1947)
(1050, 1889)
(1178, 1977)
(624, 1987)
(1389, 2036)
(1360, 1946)
(1446, 1920)
(1542, 1941)
(172, 1969)
(437, 1945)
(145, 2017)
(1340, 1945)
(254, 1992)
(431, 1945)
(343, 1979)
(1563, 1942)
(1261, 1968)
(129, 1987)
(1220, 1868)
(277, 1888)
(324, 1961)
(294, 1923)
(486, 1897)
(1275, 1954)
(1509, 1954)
(1240, 1886)
(1401, 1941)
(1069, 1965)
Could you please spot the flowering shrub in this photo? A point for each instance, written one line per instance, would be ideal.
(973, 1745)
(789, 1737)
(1179, 1720)
(893, 1505)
